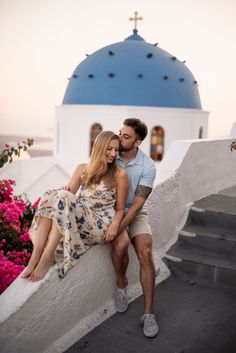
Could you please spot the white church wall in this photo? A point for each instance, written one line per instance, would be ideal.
(75, 121)
(198, 123)
(178, 124)
(73, 125)
(190, 171)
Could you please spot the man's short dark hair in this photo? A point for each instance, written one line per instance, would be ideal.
(140, 128)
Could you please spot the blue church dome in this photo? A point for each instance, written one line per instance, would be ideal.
(135, 73)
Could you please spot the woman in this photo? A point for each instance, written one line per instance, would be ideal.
(65, 225)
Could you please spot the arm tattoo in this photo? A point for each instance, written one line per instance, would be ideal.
(143, 191)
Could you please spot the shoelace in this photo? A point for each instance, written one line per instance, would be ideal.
(121, 293)
(150, 321)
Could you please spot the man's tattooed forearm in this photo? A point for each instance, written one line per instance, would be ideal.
(143, 191)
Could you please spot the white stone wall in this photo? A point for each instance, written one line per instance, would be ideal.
(190, 171)
(51, 315)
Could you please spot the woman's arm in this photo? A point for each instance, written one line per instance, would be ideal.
(122, 186)
(75, 180)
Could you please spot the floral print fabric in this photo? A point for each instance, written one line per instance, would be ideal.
(81, 219)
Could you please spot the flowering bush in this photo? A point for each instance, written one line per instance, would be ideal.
(6, 156)
(16, 214)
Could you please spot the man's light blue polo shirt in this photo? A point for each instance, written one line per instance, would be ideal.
(141, 171)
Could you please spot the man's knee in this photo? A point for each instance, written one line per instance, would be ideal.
(143, 248)
(120, 247)
(145, 256)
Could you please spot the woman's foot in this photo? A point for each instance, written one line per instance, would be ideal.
(34, 260)
(41, 269)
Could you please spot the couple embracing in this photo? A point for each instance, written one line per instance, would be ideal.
(108, 208)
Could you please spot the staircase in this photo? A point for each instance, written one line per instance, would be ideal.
(206, 246)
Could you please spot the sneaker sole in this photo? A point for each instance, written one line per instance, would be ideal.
(121, 311)
(150, 335)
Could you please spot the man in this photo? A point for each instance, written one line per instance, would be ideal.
(141, 172)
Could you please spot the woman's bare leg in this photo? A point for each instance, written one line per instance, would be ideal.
(41, 237)
(47, 257)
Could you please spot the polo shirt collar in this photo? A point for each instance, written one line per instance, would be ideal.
(136, 160)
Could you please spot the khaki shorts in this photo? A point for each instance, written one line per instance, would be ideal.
(139, 225)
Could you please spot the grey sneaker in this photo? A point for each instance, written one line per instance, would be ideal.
(149, 325)
(121, 299)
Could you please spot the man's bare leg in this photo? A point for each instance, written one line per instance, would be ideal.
(143, 247)
(120, 261)
(120, 258)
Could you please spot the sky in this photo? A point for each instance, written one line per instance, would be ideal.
(42, 42)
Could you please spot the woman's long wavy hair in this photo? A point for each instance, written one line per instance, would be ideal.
(97, 167)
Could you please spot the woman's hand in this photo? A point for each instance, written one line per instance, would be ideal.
(65, 187)
(110, 233)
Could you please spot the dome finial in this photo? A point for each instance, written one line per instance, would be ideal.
(135, 19)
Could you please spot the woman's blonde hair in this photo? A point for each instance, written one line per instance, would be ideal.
(97, 167)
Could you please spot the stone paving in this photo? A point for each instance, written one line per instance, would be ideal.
(193, 318)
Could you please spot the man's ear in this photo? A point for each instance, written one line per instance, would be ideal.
(138, 143)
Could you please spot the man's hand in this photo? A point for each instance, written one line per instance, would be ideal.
(121, 227)
(110, 233)
(141, 194)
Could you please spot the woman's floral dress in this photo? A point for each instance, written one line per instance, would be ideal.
(81, 219)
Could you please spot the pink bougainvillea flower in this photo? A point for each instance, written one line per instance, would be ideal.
(24, 237)
(18, 261)
(35, 205)
(8, 272)
(16, 213)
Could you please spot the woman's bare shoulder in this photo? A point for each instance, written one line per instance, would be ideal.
(80, 168)
(121, 172)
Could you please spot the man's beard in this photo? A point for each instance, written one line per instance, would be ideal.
(126, 149)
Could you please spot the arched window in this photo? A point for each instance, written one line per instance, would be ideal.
(200, 133)
(157, 143)
(95, 129)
